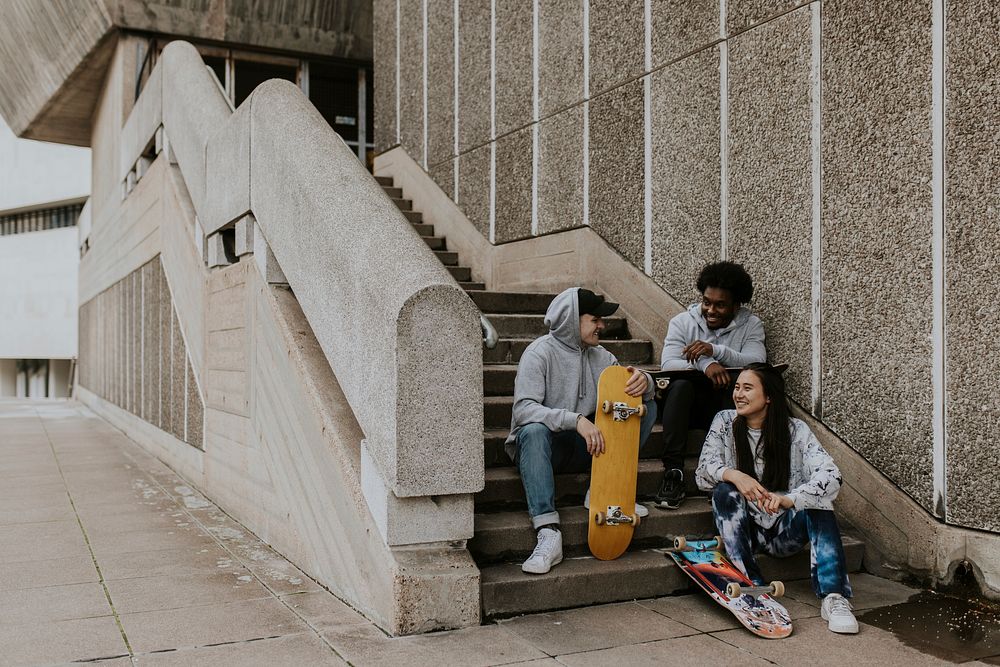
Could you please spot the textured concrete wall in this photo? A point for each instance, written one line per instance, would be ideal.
(972, 238)
(795, 136)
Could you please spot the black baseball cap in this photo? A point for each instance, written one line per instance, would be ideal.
(594, 304)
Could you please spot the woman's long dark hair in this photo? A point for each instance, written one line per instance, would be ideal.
(775, 435)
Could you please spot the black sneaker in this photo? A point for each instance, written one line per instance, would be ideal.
(671, 493)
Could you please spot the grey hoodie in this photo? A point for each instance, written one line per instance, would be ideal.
(557, 376)
(735, 346)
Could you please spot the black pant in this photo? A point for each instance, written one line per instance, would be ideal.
(689, 404)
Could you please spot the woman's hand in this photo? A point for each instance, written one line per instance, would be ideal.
(591, 434)
(748, 487)
(775, 502)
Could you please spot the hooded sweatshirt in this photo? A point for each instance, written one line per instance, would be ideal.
(734, 346)
(557, 377)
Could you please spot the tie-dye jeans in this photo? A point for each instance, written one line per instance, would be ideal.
(743, 538)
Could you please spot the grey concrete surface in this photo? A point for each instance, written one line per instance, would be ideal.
(744, 14)
(877, 222)
(440, 82)
(770, 184)
(514, 48)
(560, 54)
(474, 172)
(972, 161)
(617, 35)
(385, 73)
(513, 186)
(411, 79)
(560, 171)
(474, 21)
(686, 172)
(132, 567)
(682, 26)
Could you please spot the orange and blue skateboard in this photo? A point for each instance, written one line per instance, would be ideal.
(753, 606)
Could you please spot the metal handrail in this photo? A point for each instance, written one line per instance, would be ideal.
(490, 335)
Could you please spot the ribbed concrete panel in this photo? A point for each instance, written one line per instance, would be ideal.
(166, 352)
(411, 78)
(195, 411)
(972, 239)
(150, 341)
(682, 26)
(178, 393)
(876, 266)
(560, 54)
(560, 171)
(617, 42)
(513, 202)
(770, 184)
(743, 14)
(617, 170)
(474, 187)
(440, 81)
(444, 175)
(473, 73)
(686, 232)
(514, 64)
(385, 74)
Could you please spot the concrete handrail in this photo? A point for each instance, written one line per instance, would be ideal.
(402, 338)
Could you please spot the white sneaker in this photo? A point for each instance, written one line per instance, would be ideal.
(640, 510)
(547, 553)
(837, 610)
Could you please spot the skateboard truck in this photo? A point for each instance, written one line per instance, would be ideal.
(775, 589)
(622, 411)
(615, 517)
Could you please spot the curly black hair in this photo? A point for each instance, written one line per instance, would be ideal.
(729, 276)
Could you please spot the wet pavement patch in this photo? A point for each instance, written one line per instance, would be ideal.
(948, 627)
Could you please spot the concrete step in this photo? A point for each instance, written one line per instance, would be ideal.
(512, 302)
(577, 582)
(403, 204)
(413, 216)
(447, 257)
(435, 242)
(512, 325)
(469, 286)
(508, 536)
(423, 229)
(460, 273)
(384, 180)
(504, 491)
(394, 193)
(509, 350)
(493, 449)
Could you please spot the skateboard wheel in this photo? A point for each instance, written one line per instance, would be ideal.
(718, 542)
(635, 520)
(680, 542)
(606, 407)
(778, 588)
(599, 518)
(732, 590)
(642, 410)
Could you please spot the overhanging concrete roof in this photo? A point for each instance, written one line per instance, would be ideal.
(54, 54)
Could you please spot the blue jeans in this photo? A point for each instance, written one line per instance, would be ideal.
(542, 453)
(743, 538)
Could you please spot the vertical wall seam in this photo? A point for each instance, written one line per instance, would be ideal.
(535, 129)
(723, 134)
(493, 121)
(586, 112)
(424, 44)
(938, 198)
(817, 209)
(455, 34)
(398, 83)
(647, 130)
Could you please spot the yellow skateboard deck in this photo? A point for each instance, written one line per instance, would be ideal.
(613, 473)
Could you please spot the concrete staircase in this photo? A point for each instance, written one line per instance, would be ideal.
(503, 535)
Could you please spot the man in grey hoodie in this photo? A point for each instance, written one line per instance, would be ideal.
(719, 332)
(555, 397)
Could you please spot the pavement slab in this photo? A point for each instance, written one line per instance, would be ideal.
(63, 641)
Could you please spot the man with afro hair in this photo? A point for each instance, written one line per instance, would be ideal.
(716, 333)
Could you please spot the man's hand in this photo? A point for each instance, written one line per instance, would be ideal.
(775, 502)
(718, 375)
(748, 487)
(591, 434)
(637, 384)
(699, 348)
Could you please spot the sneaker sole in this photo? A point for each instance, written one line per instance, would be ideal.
(851, 630)
(545, 571)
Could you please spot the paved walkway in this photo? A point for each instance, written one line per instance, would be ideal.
(107, 556)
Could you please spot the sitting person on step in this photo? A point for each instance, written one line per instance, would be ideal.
(773, 487)
(555, 398)
(719, 332)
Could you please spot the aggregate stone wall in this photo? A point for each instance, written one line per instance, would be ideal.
(133, 354)
(807, 139)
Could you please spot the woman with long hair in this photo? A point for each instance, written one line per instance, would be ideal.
(773, 487)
